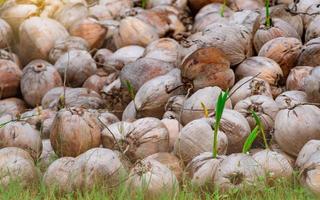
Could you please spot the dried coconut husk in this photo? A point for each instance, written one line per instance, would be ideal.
(275, 165)
(297, 75)
(275, 147)
(174, 105)
(130, 113)
(47, 156)
(202, 169)
(284, 50)
(174, 128)
(192, 107)
(264, 68)
(239, 5)
(293, 129)
(153, 179)
(64, 45)
(311, 13)
(179, 4)
(74, 131)
(21, 134)
(103, 118)
(57, 177)
(279, 28)
(101, 56)
(10, 75)
(12, 106)
(15, 151)
(291, 98)
(153, 95)
(38, 77)
(143, 70)
(313, 30)
(170, 161)
(100, 12)
(7, 55)
(249, 86)
(197, 137)
(238, 171)
(206, 67)
(310, 53)
(309, 178)
(116, 7)
(139, 139)
(97, 81)
(265, 107)
(196, 5)
(312, 85)
(310, 148)
(247, 18)
(6, 36)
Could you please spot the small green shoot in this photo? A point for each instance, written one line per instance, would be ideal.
(221, 102)
(130, 89)
(222, 8)
(261, 128)
(268, 18)
(205, 110)
(144, 3)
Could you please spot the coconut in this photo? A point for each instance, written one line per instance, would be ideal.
(116, 7)
(143, 70)
(97, 166)
(279, 28)
(97, 81)
(104, 118)
(192, 107)
(174, 106)
(275, 165)
(6, 34)
(64, 45)
(7, 55)
(291, 98)
(100, 12)
(57, 176)
(170, 161)
(150, 103)
(311, 13)
(21, 134)
(310, 148)
(47, 156)
(12, 106)
(293, 130)
(284, 50)
(174, 128)
(10, 75)
(130, 113)
(101, 56)
(197, 5)
(295, 80)
(197, 137)
(90, 30)
(74, 131)
(15, 167)
(206, 67)
(75, 66)
(312, 85)
(153, 179)
(180, 4)
(15, 151)
(38, 77)
(37, 37)
(310, 53)
(202, 169)
(265, 107)
(310, 178)
(275, 147)
(249, 86)
(133, 31)
(239, 5)
(263, 68)
(238, 171)
(313, 30)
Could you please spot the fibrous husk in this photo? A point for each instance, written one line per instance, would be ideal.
(130, 113)
(7, 55)
(38, 77)
(311, 13)
(310, 178)
(295, 80)
(116, 7)
(10, 76)
(143, 70)
(37, 37)
(247, 18)
(249, 86)
(101, 56)
(296, 126)
(140, 139)
(312, 85)
(238, 171)
(313, 30)
(57, 177)
(289, 99)
(170, 161)
(180, 4)
(103, 118)
(264, 68)
(207, 67)
(310, 148)
(100, 12)
(174, 128)
(275, 165)
(73, 97)
(275, 147)
(6, 36)
(284, 50)
(192, 107)
(74, 131)
(174, 106)
(47, 156)
(97, 81)
(15, 166)
(279, 28)
(64, 45)
(239, 5)
(153, 179)
(97, 166)
(153, 95)
(310, 53)
(202, 169)
(197, 137)
(12, 106)
(21, 134)
(265, 107)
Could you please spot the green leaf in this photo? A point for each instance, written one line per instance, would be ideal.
(256, 118)
(130, 89)
(205, 110)
(144, 3)
(249, 141)
(261, 128)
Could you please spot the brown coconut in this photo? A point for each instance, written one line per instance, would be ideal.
(310, 178)
(197, 137)
(47, 156)
(12, 106)
(174, 128)
(312, 85)
(291, 98)
(313, 30)
(7, 55)
(239, 5)
(116, 7)
(293, 129)
(10, 76)
(284, 50)
(247, 18)
(97, 81)
(130, 113)
(310, 53)
(101, 56)
(73, 132)
(297, 75)
(6, 34)
(197, 5)
(310, 148)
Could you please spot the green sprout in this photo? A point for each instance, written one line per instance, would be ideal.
(220, 104)
(205, 110)
(144, 3)
(268, 18)
(222, 8)
(130, 89)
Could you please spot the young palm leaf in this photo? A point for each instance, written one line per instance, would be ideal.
(268, 18)
(261, 128)
(144, 3)
(130, 89)
(251, 138)
(205, 110)
(222, 8)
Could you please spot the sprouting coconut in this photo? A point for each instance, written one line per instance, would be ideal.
(310, 178)
(310, 53)
(291, 98)
(295, 80)
(310, 148)
(12, 106)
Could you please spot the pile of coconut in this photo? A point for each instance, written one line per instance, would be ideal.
(105, 92)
